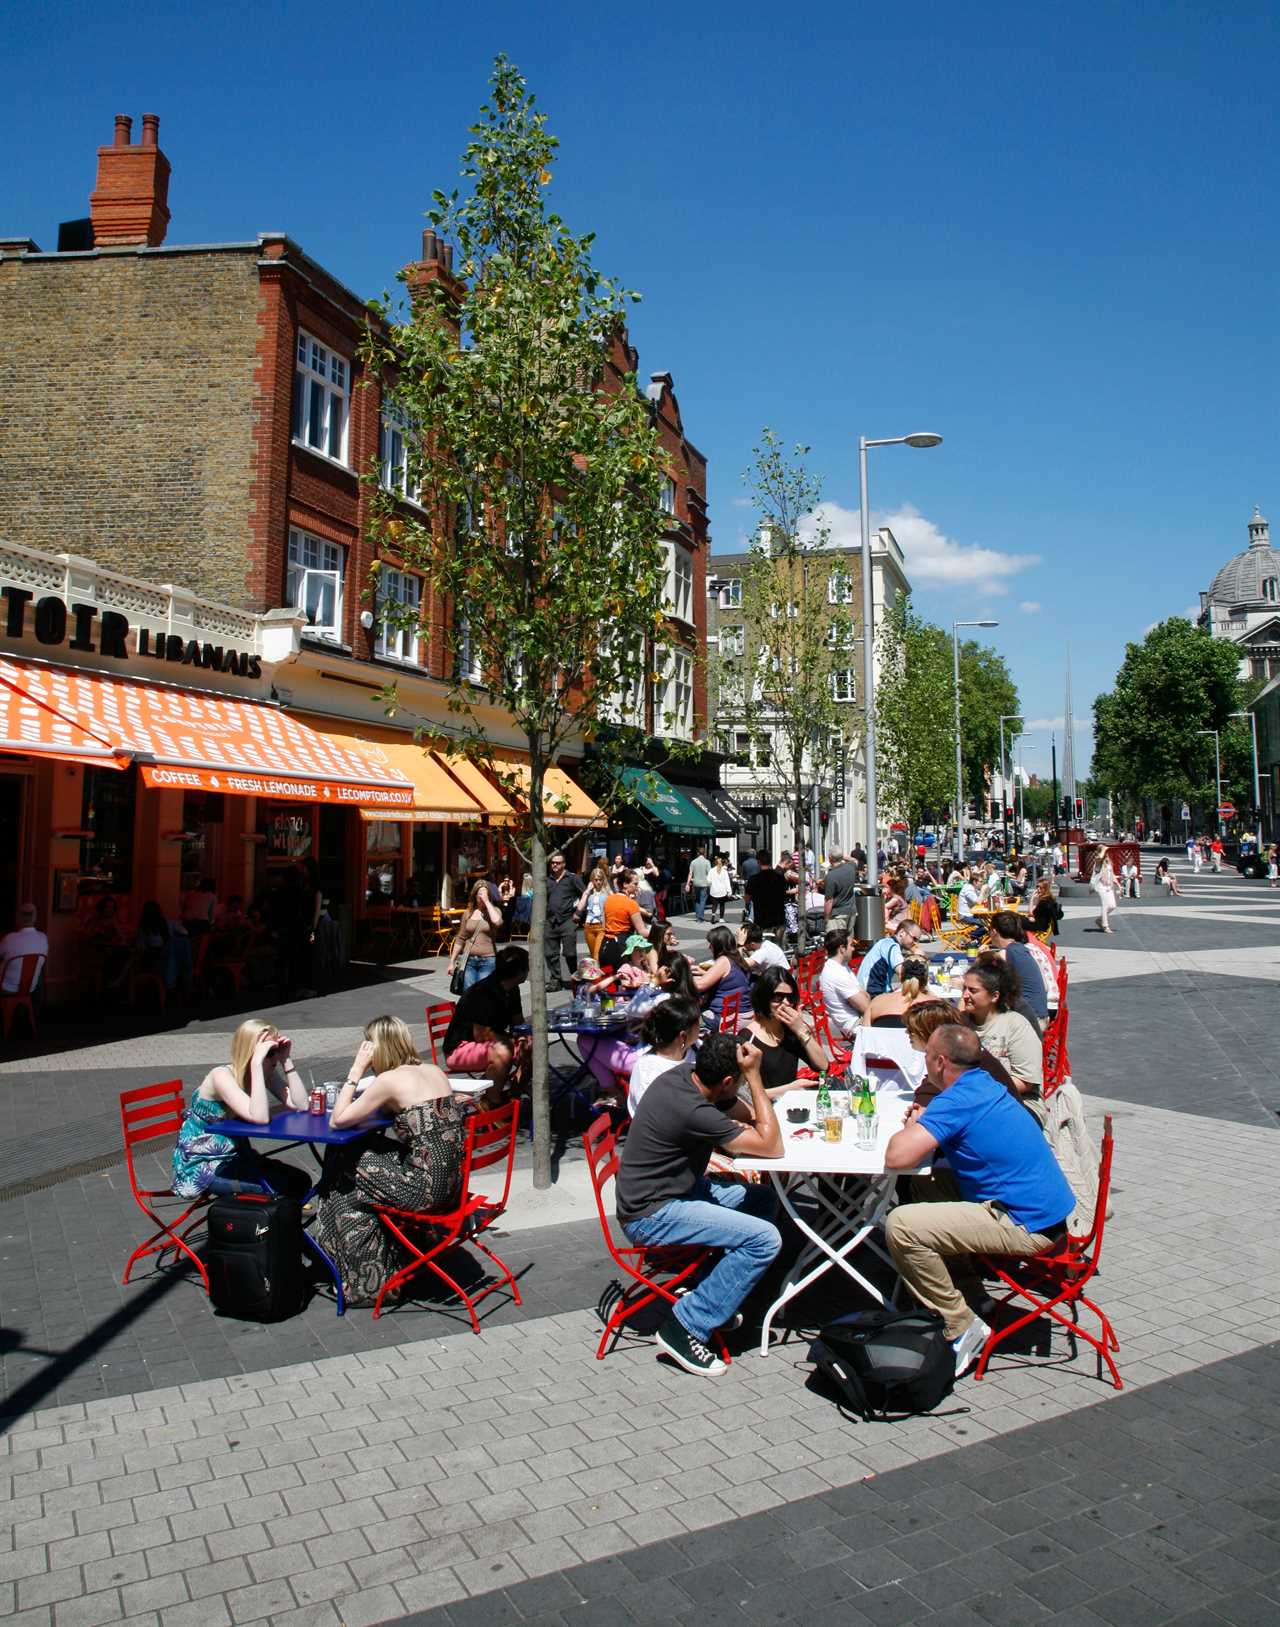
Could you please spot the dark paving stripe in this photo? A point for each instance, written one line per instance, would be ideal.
(1161, 1505)
(1189, 1042)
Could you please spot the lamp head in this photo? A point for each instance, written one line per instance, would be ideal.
(923, 437)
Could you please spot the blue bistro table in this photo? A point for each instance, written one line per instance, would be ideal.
(313, 1130)
(566, 1025)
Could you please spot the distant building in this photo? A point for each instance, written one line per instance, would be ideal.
(1243, 603)
(754, 774)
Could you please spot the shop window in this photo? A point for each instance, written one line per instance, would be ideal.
(399, 607)
(313, 581)
(288, 833)
(382, 836)
(321, 395)
(382, 881)
(107, 807)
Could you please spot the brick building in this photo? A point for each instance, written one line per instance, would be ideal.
(197, 415)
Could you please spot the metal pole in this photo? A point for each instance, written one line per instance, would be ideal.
(868, 666)
(955, 666)
(1257, 784)
(1053, 747)
(1004, 817)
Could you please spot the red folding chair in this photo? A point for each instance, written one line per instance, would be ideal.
(145, 1114)
(1056, 1062)
(730, 1008)
(1051, 1281)
(636, 1262)
(19, 999)
(491, 1139)
(816, 1007)
(439, 1016)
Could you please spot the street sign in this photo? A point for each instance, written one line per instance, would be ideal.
(1226, 810)
(1186, 813)
(839, 793)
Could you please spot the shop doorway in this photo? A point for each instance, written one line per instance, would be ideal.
(13, 804)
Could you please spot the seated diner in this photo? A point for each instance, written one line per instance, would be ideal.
(989, 1002)
(725, 974)
(480, 1038)
(781, 1032)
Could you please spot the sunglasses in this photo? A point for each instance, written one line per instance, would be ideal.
(779, 995)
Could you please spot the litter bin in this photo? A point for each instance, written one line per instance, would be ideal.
(869, 920)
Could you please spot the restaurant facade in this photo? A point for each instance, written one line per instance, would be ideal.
(151, 739)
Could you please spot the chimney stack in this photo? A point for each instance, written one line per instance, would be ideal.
(130, 203)
(436, 265)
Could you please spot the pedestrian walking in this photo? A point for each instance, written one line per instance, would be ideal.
(719, 887)
(1273, 865)
(1103, 882)
(699, 882)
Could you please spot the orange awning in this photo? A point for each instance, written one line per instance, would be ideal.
(480, 787)
(196, 740)
(437, 797)
(565, 801)
(31, 723)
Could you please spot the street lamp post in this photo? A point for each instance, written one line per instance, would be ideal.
(1005, 717)
(921, 438)
(1257, 788)
(955, 661)
(1217, 777)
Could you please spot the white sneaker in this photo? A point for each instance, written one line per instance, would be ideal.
(968, 1347)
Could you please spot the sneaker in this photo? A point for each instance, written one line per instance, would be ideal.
(688, 1352)
(731, 1326)
(968, 1347)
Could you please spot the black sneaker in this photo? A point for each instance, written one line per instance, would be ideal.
(688, 1352)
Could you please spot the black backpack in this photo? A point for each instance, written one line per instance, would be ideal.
(886, 1362)
(254, 1256)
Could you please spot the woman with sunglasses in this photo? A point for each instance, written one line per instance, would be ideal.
(781, 1032)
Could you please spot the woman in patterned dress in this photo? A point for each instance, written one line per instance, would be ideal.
(261, 1075)
(418, 1165)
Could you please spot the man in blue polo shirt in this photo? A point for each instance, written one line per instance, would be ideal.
(1015, 1198)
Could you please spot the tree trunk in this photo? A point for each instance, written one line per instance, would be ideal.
(802, 936)
(539, 1085)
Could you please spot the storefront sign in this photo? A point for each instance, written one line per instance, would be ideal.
(55, 622)
(195, 778)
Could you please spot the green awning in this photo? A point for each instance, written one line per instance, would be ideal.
(661, 801)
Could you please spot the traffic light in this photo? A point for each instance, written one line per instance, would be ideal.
(1079, 810)
(1066, 810)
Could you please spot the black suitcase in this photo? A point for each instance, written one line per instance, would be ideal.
(254, 1256)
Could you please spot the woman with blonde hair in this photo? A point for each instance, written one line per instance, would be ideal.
(1103, 882)
(475, 936)
(261, 1072)
(591, 908)
(417, 1165)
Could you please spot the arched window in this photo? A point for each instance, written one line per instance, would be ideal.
(1269, 588)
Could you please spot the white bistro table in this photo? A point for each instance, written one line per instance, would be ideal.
(835, 1193)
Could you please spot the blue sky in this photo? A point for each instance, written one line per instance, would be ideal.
(1047, 233)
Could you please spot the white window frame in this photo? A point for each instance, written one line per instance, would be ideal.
(731, 594)
(675, 712)
(733, 640)
(843, 685)
(841, 640)
(667, 496)
(315, 570)
(470, 666)
(840, 588)
(677, 591)
(396, 641)
(394, 432)
(321, 399)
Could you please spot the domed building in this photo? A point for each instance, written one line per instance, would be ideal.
(1243, 603)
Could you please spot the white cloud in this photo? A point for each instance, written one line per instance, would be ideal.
(933, 559)
(741, 502)
(1029, 607)
(1058, 722)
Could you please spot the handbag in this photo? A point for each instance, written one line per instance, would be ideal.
(456, 977)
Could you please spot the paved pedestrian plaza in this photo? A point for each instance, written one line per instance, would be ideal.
(161, 1465)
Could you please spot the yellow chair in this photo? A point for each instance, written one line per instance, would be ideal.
(954, 932)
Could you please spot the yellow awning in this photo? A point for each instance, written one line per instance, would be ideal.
(479, 788)
(438, 798)
(565, 801)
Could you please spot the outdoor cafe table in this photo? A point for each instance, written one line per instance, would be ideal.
(835, 1193)
(568, 1026)
(314, 1130)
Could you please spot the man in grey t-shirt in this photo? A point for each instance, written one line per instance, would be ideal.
(664, 1197)
(699, 881)
(839, 890)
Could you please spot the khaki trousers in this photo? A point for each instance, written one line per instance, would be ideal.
(923, 1235)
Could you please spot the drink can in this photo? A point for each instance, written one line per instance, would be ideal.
(317, 1100)
(833, 1127)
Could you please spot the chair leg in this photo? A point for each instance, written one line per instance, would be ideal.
(176, 1240)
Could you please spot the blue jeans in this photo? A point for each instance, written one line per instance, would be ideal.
(248, 1170)
(728, 1215)
(477, 966)
(700, 902)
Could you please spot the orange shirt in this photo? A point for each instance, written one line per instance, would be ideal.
(618, 910)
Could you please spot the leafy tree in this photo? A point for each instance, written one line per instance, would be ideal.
(1147, 743)
(541, 477)
(798, 646)
(987, 692)
(915, 718)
